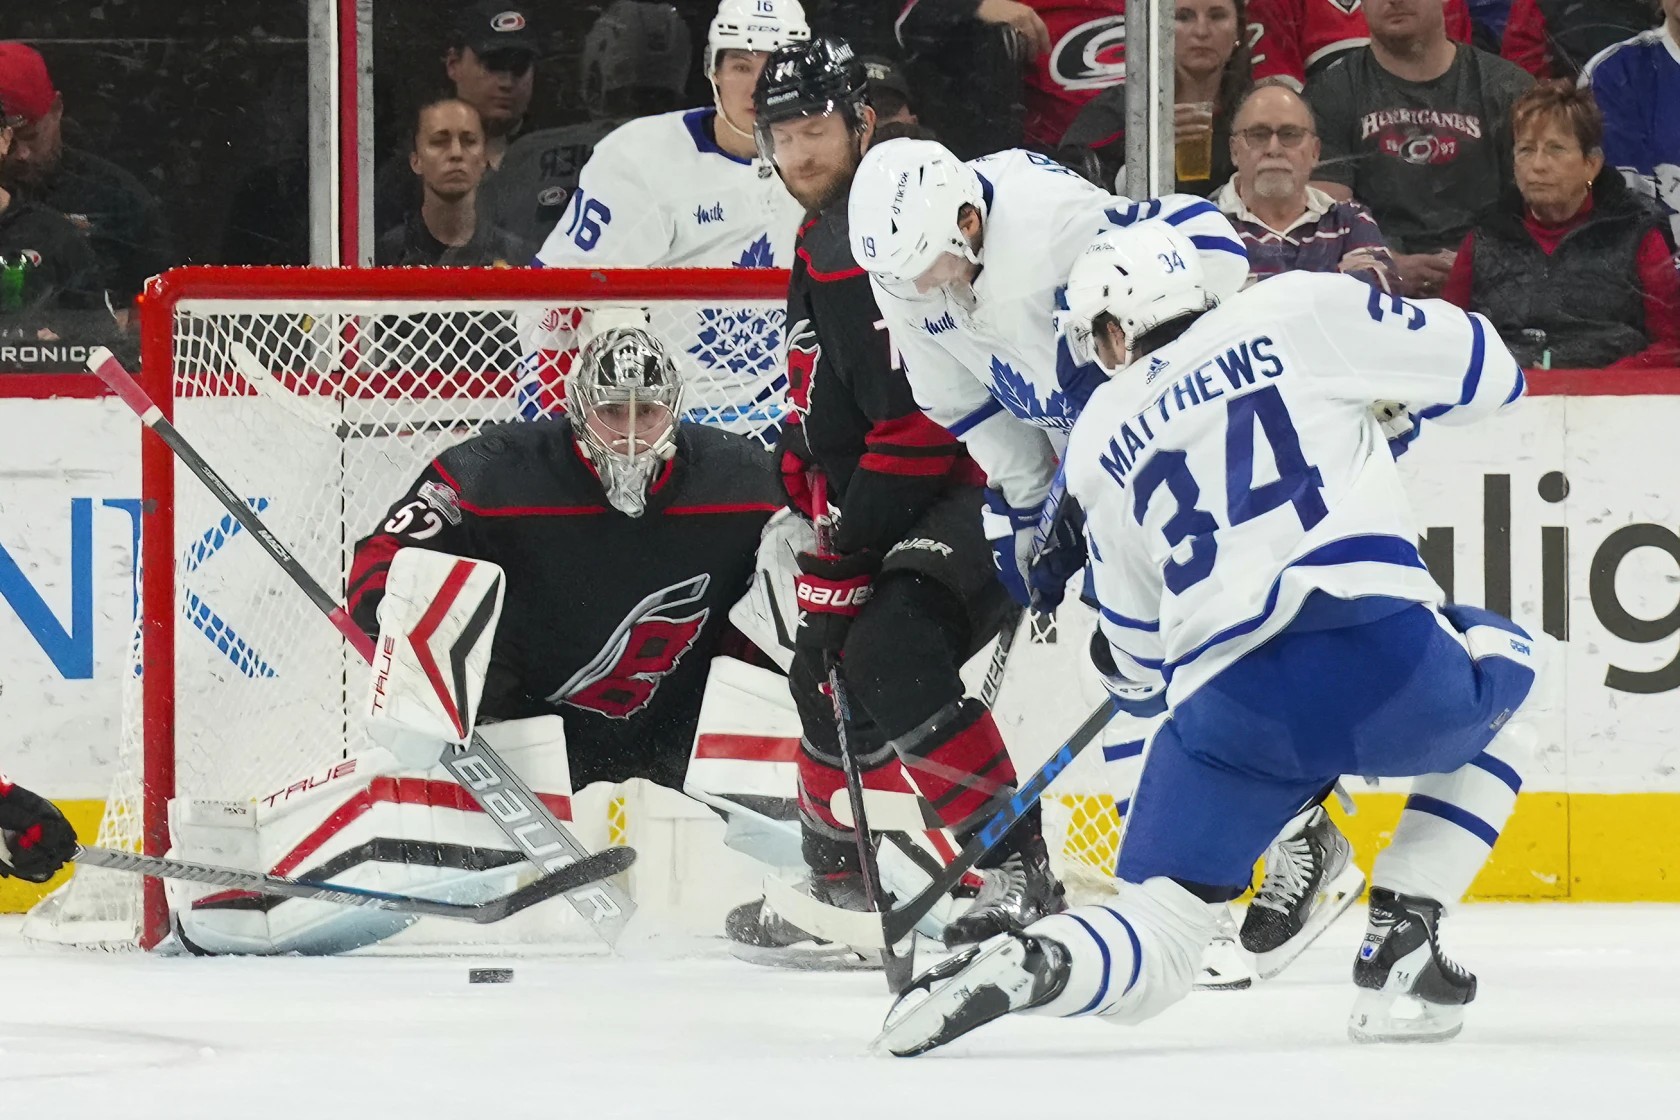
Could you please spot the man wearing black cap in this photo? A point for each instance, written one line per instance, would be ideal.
(490, 59)
(889, 91)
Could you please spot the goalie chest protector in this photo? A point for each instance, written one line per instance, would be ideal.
(609, 620)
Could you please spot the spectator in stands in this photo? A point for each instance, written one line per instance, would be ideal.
(1637, 87)
(1556, 38)
(1211, 68)
(1488, 19)
(1000, 74)
(490, 60)
(45, 264)
(1296, 39)
(1287, 224)
(636, 59)
(1418, 128)
(1574, 269)
(122, 221)
(889, 91)
(448, 159)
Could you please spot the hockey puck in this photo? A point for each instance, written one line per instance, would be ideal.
(489, 975)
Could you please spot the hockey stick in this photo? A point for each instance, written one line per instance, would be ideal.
(585, 871)
(863, 931)
(499, 792)
(993, 684)
(898, 969)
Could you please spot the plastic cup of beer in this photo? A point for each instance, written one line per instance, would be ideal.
(1193, 151)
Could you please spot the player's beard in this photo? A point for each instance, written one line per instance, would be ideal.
(832, 190)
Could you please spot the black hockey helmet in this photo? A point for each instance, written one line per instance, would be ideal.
(808, 80)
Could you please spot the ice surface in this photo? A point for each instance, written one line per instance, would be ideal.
(1579, 1015)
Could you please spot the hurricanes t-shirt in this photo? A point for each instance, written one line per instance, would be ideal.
(1426, 157)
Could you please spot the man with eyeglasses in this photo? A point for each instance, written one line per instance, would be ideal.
(491, 60)
(1287, 224)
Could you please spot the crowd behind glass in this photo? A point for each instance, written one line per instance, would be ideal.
(1517, 157)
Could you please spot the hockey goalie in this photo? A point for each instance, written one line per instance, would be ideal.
(560, 586)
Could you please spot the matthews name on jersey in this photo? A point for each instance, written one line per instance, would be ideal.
(660, 192)
(1237, 469)
(610, 621)
(1637, 84)
(978, 373)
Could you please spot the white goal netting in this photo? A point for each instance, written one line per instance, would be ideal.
(319, 410)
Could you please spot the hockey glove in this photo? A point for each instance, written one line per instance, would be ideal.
(1011, 533)
(796, 471)
(35, 839)
(831, 590)
(1399, 426)
(1143, 701)
(1060, 556)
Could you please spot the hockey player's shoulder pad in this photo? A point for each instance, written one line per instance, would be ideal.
(727, 466)
(500, 454)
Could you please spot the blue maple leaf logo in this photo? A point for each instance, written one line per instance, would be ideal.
(1016, 394)
(758, 254)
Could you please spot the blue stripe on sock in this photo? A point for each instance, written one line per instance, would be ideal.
(1107, 963)
(1501, 770)
(1114, 752)
(1137, 950)
(1464, 819)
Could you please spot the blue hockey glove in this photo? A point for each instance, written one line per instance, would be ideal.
(1011, 533)
(1059, 555)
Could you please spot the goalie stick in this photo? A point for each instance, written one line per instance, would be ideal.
(589, 869)
(497, 790)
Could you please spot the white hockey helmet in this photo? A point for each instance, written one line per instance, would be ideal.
(754, 25)
(1142, 276)
(903, 209)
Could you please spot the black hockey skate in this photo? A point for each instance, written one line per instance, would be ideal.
(1012, 972)
(758, 934)
(1012, 897)
(1310, 880)
(1411, 991)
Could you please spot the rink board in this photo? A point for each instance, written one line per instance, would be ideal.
(1557, 513)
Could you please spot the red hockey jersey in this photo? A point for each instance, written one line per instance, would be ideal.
(1291, 37)
(1087, 54)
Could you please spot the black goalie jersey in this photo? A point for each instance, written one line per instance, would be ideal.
(886, 462)
(608, 620)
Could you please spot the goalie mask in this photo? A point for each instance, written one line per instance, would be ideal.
(623, 398)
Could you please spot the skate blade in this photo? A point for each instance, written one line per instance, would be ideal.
(1224, 968)
(925, 1019)
(1333, 902)
(807, 957)
(1380, 1016)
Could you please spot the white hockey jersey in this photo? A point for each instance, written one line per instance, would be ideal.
(659, 192)
(980, 373)
(1231, 473)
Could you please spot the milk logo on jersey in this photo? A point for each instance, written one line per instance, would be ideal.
(1420, 136)
(706, 215)
(940, 325)
(643, 650)
(1092, 55)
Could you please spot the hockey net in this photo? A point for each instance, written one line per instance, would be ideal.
(319, 395)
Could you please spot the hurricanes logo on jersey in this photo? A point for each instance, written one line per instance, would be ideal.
(1347, 7)
(1092, 55)
(643, 650)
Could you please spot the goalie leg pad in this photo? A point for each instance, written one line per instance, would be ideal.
(363, 822)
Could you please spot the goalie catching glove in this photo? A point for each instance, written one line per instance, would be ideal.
(436, 625)
(35, 839)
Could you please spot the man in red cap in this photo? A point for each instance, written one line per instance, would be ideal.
(121, 220)
(45, 265)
